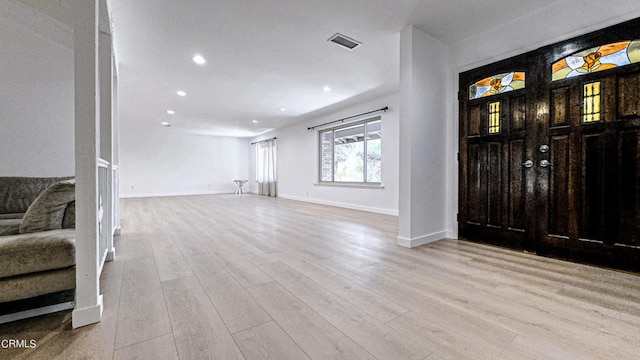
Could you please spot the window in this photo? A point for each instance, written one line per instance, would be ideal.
(352, 153)
(497, 84)
(591, 102)
(494, 117)
(596, 59)
(266, 167)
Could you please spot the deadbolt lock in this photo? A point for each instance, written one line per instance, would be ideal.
(545, 163)
(527, 164)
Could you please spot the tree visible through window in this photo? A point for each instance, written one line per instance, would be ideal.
(352, 153)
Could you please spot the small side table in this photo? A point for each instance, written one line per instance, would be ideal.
(240, 183)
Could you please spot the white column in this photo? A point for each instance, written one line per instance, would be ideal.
(115, 150)
(424, 104)
(106, 136)
(88, 308)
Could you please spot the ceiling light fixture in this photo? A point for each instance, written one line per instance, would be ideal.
(165, 124)
(181, 93)
(198, 59)
(254, 121)
(283, 109)
(171, 112)
(326, 89)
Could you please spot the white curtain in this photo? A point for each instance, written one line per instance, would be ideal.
(266, 167)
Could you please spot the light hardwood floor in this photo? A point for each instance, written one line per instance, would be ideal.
(249, 277)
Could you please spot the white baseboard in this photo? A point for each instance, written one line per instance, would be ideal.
(87, 316)
(145, 195)
(342, 205)
(111, 255)
(422, 240)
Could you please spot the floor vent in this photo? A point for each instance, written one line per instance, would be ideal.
(345, 41)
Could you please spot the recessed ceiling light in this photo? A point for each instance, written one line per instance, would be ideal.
(326, 89)
(165, 124)
(171, 112)
(181, 93)
(254, 121)
(283, 109)
(198, 59)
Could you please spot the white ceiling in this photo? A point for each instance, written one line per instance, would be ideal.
(263, 55)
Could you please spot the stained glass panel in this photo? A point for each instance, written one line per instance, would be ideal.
(597, 59)
(497, 84)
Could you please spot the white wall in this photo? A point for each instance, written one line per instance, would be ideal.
(37, 94)
(298, 162)
(547, 25)
(161, 161)
(550, 24)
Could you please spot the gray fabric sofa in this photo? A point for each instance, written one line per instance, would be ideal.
(37, 237)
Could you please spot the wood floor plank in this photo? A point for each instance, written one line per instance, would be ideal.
(268, 342)
(375, 337)
(486, 336)
(142, 313)
(236, 307)
(160, 348)
(197, 328)
(169, 260)
(190, 244)
(526, 348)
(259, 258)
(244, 271)
(442, 340)
(336, 286)
(514, 315)
(205, 265)
(545, 294)
(373, 304)
(433, 357)
(315, 335)
(137, 246)
(549, 292)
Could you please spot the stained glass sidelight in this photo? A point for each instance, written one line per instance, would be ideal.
(597, 59)
(494, 117)
(591, 102)
(497, 84)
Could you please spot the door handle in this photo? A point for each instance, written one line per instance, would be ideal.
(527, 164)
(545, 163)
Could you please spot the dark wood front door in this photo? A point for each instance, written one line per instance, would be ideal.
(590, 190)
(557, 170)
(496, 182)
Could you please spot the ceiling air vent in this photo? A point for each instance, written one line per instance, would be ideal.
(344, 41)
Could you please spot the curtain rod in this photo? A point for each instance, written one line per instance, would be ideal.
(261, 141)
(347, 118)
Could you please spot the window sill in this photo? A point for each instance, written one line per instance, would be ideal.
(350, 185)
